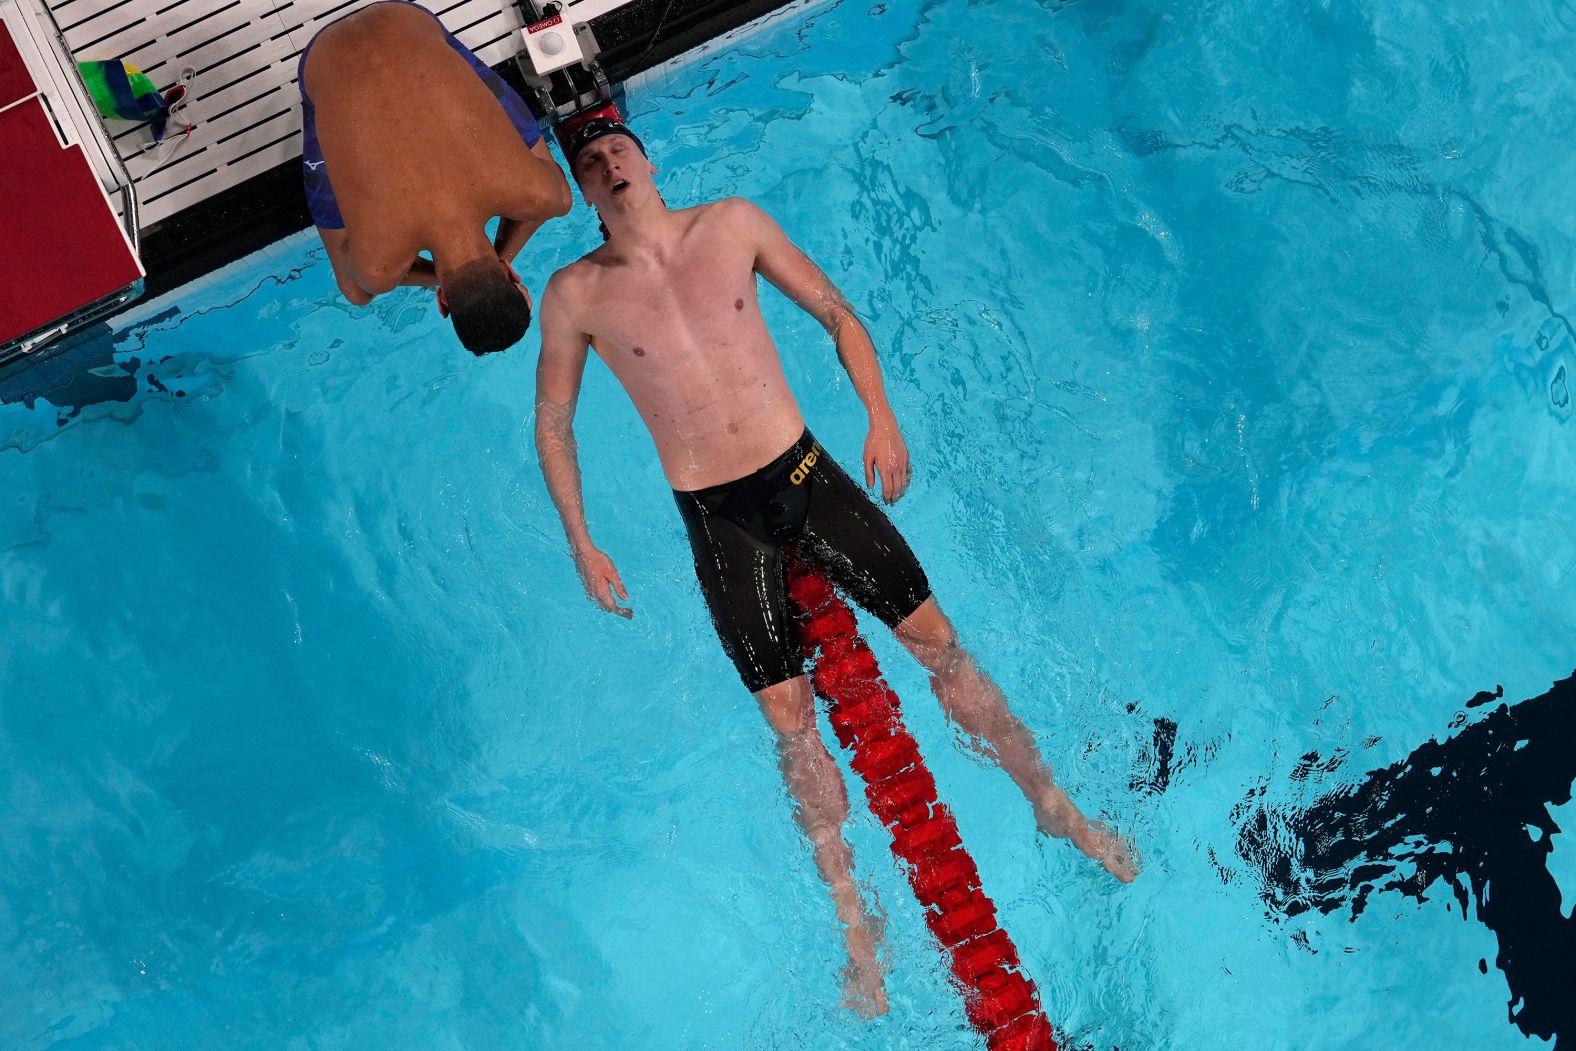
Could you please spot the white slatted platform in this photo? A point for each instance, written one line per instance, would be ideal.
(243, 54)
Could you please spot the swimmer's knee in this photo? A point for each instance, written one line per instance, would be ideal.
(824, 818)
(928, 634)
(927, 625)
(789, 706)
(825, 834)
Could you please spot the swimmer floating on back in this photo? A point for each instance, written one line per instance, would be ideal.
(411, 144)
(669, 304)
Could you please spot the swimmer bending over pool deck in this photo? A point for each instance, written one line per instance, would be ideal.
(425, 145)
(669, 303)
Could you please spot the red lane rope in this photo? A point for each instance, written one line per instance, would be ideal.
(999, 998)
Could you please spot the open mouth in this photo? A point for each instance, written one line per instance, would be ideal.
(619, 186)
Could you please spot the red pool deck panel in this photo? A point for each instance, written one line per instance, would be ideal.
(61, 244)
(15, 81)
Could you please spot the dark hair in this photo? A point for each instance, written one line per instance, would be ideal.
(487, 309)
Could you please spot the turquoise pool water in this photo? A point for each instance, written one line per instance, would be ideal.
(1231, 342)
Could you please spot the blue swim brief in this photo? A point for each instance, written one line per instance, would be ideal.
(314, 171)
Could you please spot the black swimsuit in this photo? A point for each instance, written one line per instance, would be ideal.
(744, 532)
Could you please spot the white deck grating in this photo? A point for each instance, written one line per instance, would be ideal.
(244, 99)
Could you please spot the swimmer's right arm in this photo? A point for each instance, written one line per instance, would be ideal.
(559, 371)
(545, 198)
(337, 241)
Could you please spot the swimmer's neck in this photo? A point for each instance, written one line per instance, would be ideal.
(647, 232)
(458, 244)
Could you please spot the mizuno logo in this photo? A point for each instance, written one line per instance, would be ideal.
(314, 165)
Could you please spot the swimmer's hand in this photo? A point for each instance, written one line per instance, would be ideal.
(886, 453)
(526, 292)
(601, 580)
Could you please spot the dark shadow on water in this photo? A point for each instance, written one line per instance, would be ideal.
(101, 365)
(1472, 813)
(82, 371)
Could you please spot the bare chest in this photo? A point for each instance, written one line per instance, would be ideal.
(702, 301)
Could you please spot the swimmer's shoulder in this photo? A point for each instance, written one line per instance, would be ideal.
(738, 210)
(592, 271)
(567, 286)
(739, 216)
(574, 289)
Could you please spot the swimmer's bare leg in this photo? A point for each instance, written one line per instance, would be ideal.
(976, 704)
(821, 807)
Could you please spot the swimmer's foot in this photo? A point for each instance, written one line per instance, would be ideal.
(1113, 852)
(864, 989)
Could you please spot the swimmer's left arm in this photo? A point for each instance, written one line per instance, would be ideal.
(336, 241)
(792, 273)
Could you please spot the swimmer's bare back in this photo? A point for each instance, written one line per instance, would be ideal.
(415, 141)
(685, 337)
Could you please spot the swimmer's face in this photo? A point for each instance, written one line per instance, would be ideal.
(613, 173)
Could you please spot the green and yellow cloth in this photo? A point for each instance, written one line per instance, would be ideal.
(123, 92)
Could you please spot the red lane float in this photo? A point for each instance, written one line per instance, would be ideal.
(999, 998)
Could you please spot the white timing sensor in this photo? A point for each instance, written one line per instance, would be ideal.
(552, 45)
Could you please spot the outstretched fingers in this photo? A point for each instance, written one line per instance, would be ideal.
(602, 583)
(894, 470)
(609, 589)
(899, 471)
(1114, 852)
(617, 586)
